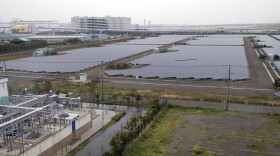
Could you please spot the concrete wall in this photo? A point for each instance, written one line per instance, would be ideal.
(63, 137)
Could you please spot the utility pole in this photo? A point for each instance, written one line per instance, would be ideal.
(5, 68)
(102, 95)
(228, 80)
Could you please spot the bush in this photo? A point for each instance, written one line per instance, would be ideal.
(262, 56)
(132, 130)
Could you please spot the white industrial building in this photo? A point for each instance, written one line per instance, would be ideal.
(3, 87)
(30, 26)
(51, 23)
(106, 22)
(118, 22)
(4, 92)
(54, 39)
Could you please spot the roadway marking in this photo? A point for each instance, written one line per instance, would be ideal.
(261, 52)
(268, 73)
(257, 53)
(195, 86)
(274, 70)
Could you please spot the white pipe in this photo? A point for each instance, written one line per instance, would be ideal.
(11, 121)
(31, 100)
(17, 107)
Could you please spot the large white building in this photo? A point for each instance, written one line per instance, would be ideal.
(107, 22)
(118, 22)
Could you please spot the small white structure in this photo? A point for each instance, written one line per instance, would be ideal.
(38, 53)
(83, 77)
(3, 87)
(156, 50)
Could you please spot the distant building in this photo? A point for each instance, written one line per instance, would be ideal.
(89, 22)
(46, 24)
(19, 29)
(56, 39)
(107, 22)
(22, 26)
(118, 22)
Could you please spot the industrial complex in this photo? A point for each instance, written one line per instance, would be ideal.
(107, 22)
(64, 74)
(42, 124)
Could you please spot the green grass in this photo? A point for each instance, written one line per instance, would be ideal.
(197, 150)
(77, 149)
(83, 89)
(256, 146)
(14, 56)
(153, 140)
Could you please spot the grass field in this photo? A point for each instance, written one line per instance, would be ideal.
(83, 90)
(189, 131)
(15, 56)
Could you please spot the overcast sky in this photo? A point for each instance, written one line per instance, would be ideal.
(189, 12)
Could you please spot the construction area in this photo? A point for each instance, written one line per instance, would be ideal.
(33, 124)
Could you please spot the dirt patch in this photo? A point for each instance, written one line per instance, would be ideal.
(226, 134)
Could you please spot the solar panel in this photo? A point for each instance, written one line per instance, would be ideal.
(197, 62)
(80, 59)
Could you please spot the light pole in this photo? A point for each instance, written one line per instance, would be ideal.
(5, 68)
(228, 80)
(102, 95)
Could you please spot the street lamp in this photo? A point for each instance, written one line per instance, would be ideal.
(102, 95)
(228, 80)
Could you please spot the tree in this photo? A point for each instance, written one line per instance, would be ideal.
(133, 93)
(91, 88)
(47, 86)
(97, 98)
(137, 98)
(37, 89)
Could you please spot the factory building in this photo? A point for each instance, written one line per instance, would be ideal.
(118, 22)
(46, 24)
(56, 39)
(96, 23)
(107, 22)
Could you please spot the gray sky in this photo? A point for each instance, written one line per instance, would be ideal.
(189, 12)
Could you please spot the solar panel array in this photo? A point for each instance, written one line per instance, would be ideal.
(277, 36)
(194, 62)
(80, 59)
(220, 40)
(274, 49)
(269, 41)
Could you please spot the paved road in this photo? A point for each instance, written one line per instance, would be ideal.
(99, 142)
(192, 86)
(232, 106)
